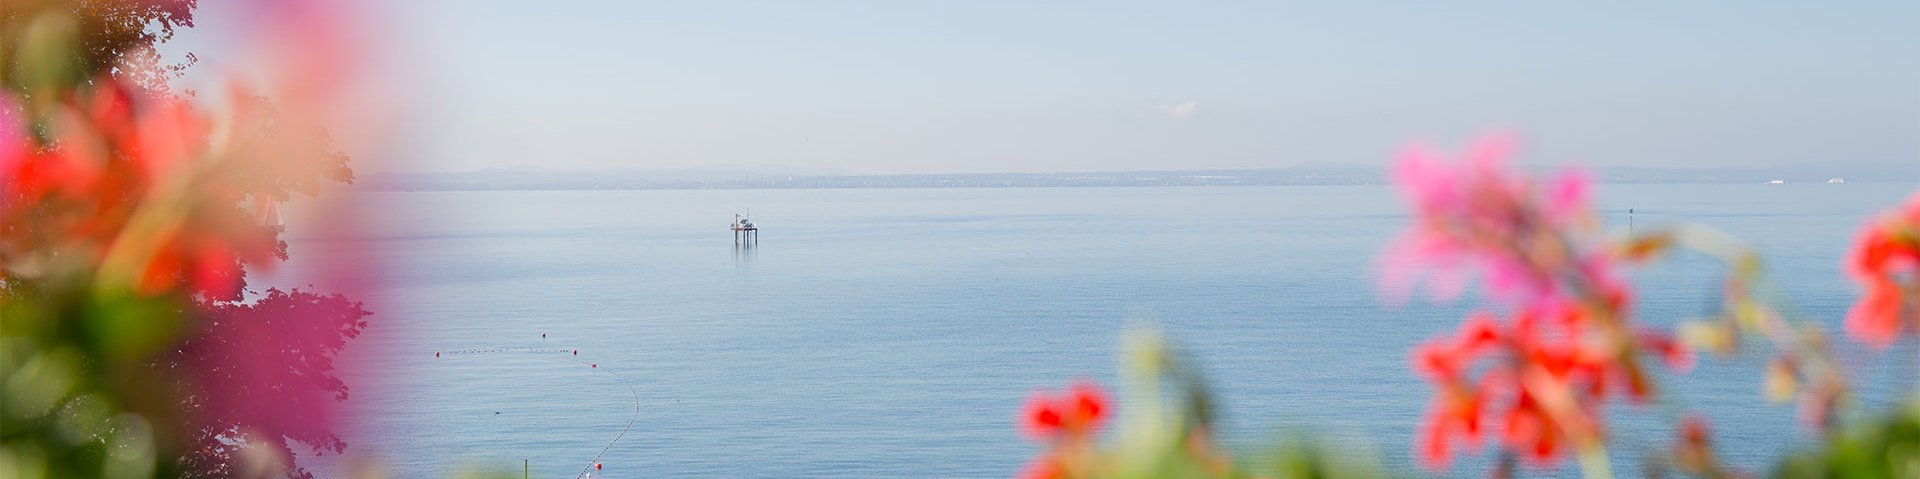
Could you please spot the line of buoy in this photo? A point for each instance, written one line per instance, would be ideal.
(514, 349)
(595, 464)
(623, 431)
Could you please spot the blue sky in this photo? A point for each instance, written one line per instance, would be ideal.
(901, 87)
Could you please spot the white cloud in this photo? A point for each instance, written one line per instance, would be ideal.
(1181, 110)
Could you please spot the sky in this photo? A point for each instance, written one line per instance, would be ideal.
(983, 86)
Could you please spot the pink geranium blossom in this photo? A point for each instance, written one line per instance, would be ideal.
(1473, 215)
(1537, 381)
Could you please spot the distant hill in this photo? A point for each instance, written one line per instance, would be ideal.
(554, 179)
(1809, 173)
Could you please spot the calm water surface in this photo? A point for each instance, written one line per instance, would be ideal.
(895, 333)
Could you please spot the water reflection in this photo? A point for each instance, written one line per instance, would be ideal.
(743, 255)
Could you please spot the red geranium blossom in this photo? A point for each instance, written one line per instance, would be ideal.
(1886, 261)
(1073, 414)
(136, 184)
(1537, 387)
(1065, 422)
(1537, 381)
(1044, 467)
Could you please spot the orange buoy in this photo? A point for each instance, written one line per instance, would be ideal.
(596, 466)
(596, 365)
(436, 354)
(576, 352)
(543, 335)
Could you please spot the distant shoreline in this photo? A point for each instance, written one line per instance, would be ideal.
(543, 180)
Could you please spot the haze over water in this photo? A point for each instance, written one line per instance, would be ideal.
(895, 333)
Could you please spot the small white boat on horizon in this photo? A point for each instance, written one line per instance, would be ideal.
(1777, 182)
(1836, 181)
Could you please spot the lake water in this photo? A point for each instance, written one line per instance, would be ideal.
(895, 333)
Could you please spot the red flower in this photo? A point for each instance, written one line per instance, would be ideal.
(1457, 411)
(1539, 382)
(1693, 451)
(137, 185)
(1693, 432)
(1045, 467)
(1065, 422)
(1886, 260)
(1074, 414)
(1531, 431)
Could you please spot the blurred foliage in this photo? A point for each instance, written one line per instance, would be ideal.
(1543, 375)
(113, 38)
(129, 344)
(1167, 432)
(1886, 448)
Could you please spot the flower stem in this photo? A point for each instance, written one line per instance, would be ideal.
(1593, 462)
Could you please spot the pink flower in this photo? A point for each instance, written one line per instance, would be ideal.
(14, 144)
(1539, 380)
(1473, 216)
(1567, 196)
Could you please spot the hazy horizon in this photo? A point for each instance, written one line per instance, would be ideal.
(883, 88)
(789, 169)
